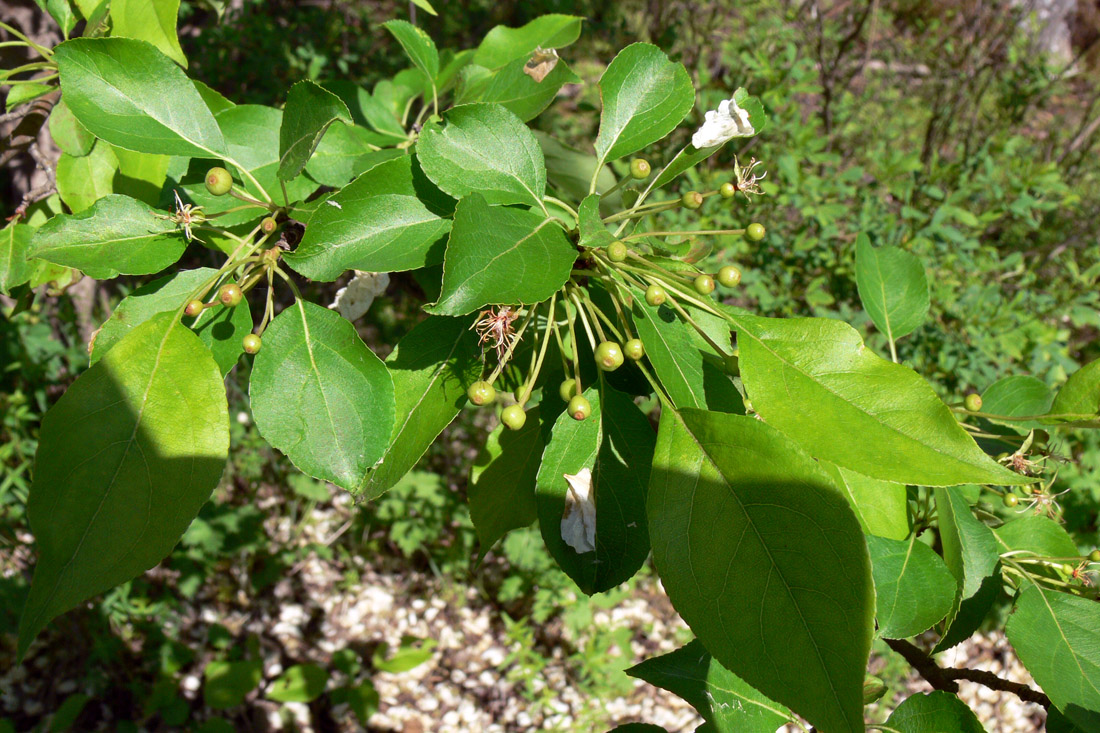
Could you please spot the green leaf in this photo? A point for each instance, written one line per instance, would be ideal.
(411, 654)
(83, 181)
(935, 712)
(361, 698)
(724, 700)
(971, 553)
(892, 287)
(880, 506)
(220, 328)
(300, 683)
(570, 171)
(418, 46)
(140, 175)
(23, 93)
(425, 6)
(309, 111)
(593, 232)
(252, 137)
(376, 223)
(226, 684)
(809, 378)
(345, 152)
(149, 20)
(133, 96)
(214, 100)
(501, 256)
(484, 149)
(502, 44)
(514, 89)
(1054, 635)
(369, 109)
(117, 235)
(501, 490)
(431, 368)
(762, 557)
(125, 459)
(1035, 535)
(321, 396)
(71, 136)
(645, 96)
(15, 243)
(679, 357)
(61, 12)
(1017, 396)
(913, 587)
(616, 444)
(1080, 395)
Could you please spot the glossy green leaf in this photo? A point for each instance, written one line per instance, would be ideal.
(971, 552)
(133, 96)
(369, 110)
(149, 20)
(117, 235)
(321, 396)
(724, 700)
(679, 356)
(418, 46)
(376, 223)
(1017, 396)
(215, 100)
(125, 459)
(62, 12)
(892, 287)
(15, 243)
(411, 654)
(83, 181)
(425, 6)
(345, 152)
(812, 379)
(763, 558)
(880, 506)
(499, 255)
(220, 328)
(431, 368)
(22, 93)
(300, 683)
(1035, 535)
(502, 44)
(484, 149)
(226, 684)
(615, 443)
(514, 89)
(501, 491)
(934, 712)
(1054, 635)
(1079, 397)
(913, 587)
(140, 175)
(645, 96)
(590, 227)
(309, 111)
(252, 137)
(71, 136)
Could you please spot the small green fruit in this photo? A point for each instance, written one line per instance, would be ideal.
(639, 168)
(755, 231)
(1094, 556)
(230, 294)
(634, 349)
(704, 285)
(655, 295)
(251, 343)
(218, 181)
(973, 402)
(609, 356)
(567, 389)
(692, 200)
(268, 225)
(617, 251)
(513, 416)
(579, 408)
(481, 393)
(729, 276)
(1067, 569)
(727, 190)
(1011, 500)
(193, 308)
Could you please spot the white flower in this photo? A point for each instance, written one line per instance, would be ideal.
(725, 123)
(578, 522)
(354, 300)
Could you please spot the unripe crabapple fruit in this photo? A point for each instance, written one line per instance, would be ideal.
(609, 356)
(251, 343)
(230, 294)
(481, 393)
(513, 416)
(579, 408)
(218, 181)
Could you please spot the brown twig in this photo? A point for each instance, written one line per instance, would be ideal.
(946, 678)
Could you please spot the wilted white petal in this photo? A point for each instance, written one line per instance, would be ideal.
(578, 521)
(725, 123)
(353, 300)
